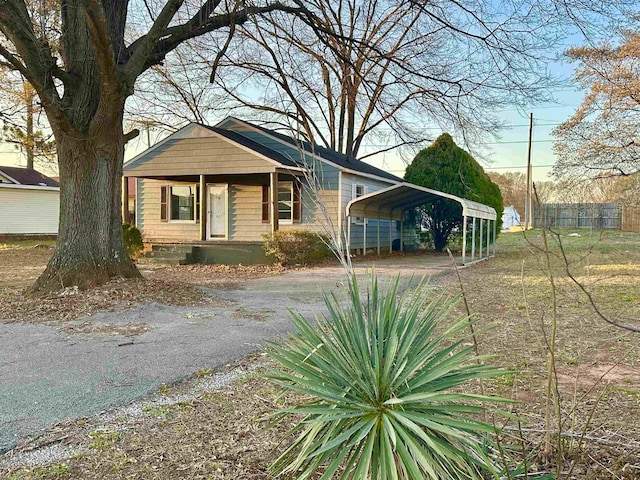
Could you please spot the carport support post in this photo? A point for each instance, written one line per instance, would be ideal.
(364, 236)
(390, 236)
(495, 233)
(401, 232)
(473, 239)
(203, 208)
(464, 238)
(488, 237)
(481, 224)
(378, 231)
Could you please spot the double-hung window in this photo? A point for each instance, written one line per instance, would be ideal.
(289, 203)
(180, 203)
(358, 190)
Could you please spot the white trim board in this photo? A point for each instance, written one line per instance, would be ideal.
(29, 187)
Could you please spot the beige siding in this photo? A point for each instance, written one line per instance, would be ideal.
(319, 213)
(27, 211)
(245, 213)
(149, 223)
(196, 156)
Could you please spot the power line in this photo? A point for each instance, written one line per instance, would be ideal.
(534, 124)
(518, 166)
(546, 107)
(519, 141)
(493, 168)
(549, 140)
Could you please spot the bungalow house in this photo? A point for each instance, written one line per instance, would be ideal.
(225, 187)
(29, 202)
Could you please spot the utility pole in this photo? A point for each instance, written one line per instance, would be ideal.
(528, 205)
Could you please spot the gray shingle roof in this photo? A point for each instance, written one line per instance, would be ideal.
(338, 158)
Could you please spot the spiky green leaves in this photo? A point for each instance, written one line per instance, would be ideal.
(380, 380)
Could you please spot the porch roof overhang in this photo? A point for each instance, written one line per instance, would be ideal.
(392, 202)
(190, 175)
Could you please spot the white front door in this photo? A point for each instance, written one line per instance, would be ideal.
(217, 211)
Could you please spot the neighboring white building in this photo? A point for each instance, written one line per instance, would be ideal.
(510, 218)
(29, 202)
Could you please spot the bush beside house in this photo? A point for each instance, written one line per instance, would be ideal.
(291, 247)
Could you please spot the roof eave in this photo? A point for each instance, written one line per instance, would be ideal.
(29, 187)
(469, 207)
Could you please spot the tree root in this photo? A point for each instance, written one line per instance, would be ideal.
(56, 278)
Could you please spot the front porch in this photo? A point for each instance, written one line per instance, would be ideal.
(207, 252)
(214, 208)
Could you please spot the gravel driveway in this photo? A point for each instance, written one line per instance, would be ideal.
(48, 375)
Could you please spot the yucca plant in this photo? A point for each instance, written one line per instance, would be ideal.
(377, 380)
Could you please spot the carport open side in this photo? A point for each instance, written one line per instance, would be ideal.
(393, 202)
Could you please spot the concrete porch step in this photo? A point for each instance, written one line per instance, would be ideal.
(169, 255)
(229, 253)
(184, 249)
(160, 261)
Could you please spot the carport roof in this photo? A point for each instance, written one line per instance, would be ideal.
(393, 201)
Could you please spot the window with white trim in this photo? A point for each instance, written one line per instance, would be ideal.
(358, 190)
(289, 202)
(285, 202)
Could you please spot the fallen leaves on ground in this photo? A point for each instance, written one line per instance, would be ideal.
(179, 285)
(119, 294)
(125, 329)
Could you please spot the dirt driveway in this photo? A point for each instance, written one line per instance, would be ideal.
(49, 373)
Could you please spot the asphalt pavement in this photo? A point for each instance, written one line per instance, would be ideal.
(48, 375)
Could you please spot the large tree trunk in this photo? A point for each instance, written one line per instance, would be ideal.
(29, 98)
(90, 248)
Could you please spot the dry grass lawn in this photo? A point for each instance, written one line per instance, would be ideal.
(219, 435)
(22, 262)
(597, 364)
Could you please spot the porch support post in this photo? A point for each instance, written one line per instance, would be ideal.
(203, 207)
(473, 239)
(481, 224)
(349, 235)
(273, 204)
(464, 239)
(125, 199)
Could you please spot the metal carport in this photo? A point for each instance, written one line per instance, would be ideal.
(391, 204)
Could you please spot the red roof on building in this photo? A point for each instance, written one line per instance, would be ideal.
(28, 176)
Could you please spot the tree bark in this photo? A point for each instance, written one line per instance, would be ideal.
(29, 97)
(90, 248)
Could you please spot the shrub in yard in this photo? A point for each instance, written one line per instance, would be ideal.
(377, 381)
(448, 168)
(132, 240)
(290, 247)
